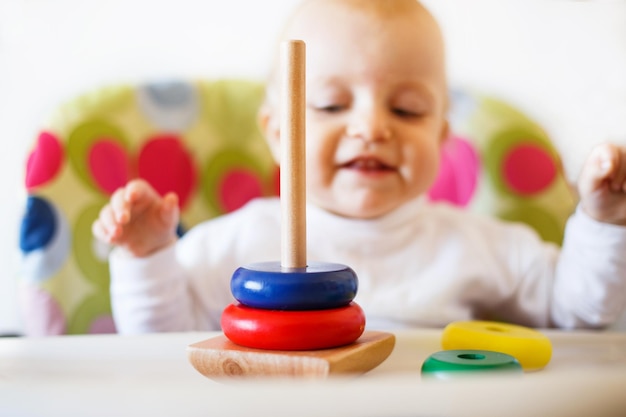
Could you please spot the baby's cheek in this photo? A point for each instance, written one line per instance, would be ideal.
(316, 173)
(319, 184)
(425, 166)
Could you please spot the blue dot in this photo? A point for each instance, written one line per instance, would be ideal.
(170, 105)
(45, 240)
(38, 225)
(181, 230)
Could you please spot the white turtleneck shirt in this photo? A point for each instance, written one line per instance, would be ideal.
(425, 264)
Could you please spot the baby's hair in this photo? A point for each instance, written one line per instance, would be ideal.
(383, 9)
(377, 7)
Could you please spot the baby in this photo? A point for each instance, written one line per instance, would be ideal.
(377, 102)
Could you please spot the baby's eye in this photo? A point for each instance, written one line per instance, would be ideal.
(330, 108)
(408, 113)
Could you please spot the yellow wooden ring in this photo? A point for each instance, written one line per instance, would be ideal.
(531, 348)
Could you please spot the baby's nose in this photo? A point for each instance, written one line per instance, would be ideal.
(369, 128)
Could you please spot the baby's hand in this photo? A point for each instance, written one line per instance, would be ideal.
(602, 184)
(138, 219)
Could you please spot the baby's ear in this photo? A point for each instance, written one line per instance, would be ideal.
(270, 126)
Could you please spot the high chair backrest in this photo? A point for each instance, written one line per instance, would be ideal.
(201, 140)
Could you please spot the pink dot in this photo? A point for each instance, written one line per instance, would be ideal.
(109, 165)
(45, 161)
(276, 181)
(237, 188)
(102, 325)
(43, 316)
(458, 174)
(168, 166)
(528, 169)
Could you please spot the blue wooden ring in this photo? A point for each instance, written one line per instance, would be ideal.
(319, 286)
(293, 330)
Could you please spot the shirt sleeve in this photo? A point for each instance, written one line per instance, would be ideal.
(186, 286)
(590, 286)
(149, 294)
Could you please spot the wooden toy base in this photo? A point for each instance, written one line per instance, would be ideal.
(218, 357)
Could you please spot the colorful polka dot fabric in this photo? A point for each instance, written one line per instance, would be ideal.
(200, 139)
(501, 163)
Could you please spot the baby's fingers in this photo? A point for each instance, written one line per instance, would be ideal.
(618, 178)
(106, 228)
(100, 233)
(605, 167)
(139, 194)
(120, 207)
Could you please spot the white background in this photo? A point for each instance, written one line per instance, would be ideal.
(561, 61)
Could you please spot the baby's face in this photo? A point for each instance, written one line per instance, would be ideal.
(376, 103)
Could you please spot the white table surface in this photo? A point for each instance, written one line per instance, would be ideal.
(149, 375)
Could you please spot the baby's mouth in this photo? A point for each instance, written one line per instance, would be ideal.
(367, 165)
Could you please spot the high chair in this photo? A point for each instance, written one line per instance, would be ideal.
(200, 139)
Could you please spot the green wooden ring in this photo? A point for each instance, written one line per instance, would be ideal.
(449, 364)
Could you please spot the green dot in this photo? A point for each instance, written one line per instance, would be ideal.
(93, 307)
(94, 270)
(544, 223)
(82, 138)
(498, 147)
(222, 163)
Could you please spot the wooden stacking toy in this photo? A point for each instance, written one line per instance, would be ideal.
(293, 318)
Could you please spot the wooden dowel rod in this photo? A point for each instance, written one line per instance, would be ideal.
(292, 161)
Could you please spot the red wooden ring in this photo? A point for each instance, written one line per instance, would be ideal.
(293, 330)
